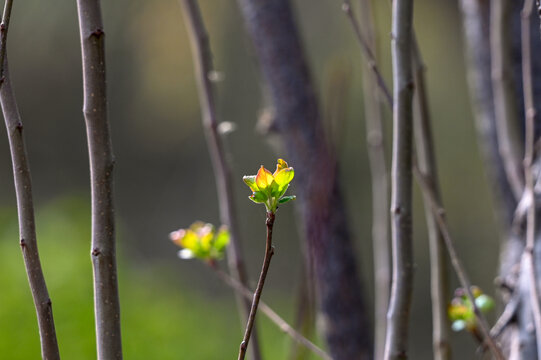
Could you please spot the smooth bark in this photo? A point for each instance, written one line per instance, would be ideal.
(106, 299)
(25, 205)
(398, 317)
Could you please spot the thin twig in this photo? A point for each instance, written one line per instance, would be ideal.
(106, 300)
(538, 8)
(25, 206)
(506, 316)
(271, 314)
(202, 58)
(463, 278)
(269, 251)
(368, 52)
(4, 26)
(396, 344)
(424, 145)
(529, 259)
(379, 181)
(504, 96)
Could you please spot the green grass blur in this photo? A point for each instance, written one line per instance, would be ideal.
(159, 320)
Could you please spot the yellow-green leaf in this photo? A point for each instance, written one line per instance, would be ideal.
(263, 178)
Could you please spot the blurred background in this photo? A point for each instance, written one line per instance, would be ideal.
(174, 309)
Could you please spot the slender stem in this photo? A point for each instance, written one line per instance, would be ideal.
(528, 172)
(6, 16)
(269, 251)
(368, 52)
(476, 31)
(504, 94)
(271, 314)
(463, 278)
(202, 58)
(424, 145)
(25, 206)
(538, 8)
(380, 184)
(396, 344)
(106, 301)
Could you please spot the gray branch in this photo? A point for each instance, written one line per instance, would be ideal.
(505, 104)
(106, 301)
(396, 344)
(379, 179)
(25, 206)
(426, 160)
(202, 59)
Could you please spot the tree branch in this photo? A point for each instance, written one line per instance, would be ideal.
(202, 59)
(106, 301)
(505, 107)
(274, 34)
(368, 52)
(25, 206)
(396, 344)
(463, 278)
(424, 145)
(476, 19)
(269, 251)
(271, 314)
(529, 143)
(379, 176)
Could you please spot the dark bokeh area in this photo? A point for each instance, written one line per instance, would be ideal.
(163, 174)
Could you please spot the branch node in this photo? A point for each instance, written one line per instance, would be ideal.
(19, 126)
(22, 243)
(96, 252)
(98, 33)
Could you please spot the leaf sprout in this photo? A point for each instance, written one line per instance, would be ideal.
(461, 311)
(269, 188)
(201, 241)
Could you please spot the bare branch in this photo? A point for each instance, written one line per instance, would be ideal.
(25, 205)
(297, 121)
(368, 52)
(269, 251)
(424, 145)
(463, 278)
(505, 107)
(271, 314)
(476, 31)
(396, 345)
(379, 179)
(106, 301)
(202, 59)
(528, 256)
